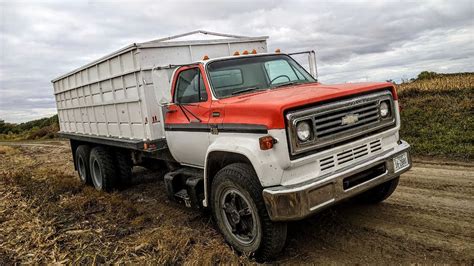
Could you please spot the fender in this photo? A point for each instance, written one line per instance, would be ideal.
(265, 163)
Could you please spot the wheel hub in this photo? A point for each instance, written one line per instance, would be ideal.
(239, 216)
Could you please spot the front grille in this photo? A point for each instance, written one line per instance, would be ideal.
(340, 121)
(347, 156)
(331, 122)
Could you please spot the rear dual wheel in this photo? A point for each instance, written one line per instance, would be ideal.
(82, 164)
(104, 168)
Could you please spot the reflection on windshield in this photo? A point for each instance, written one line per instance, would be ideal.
(247, 74)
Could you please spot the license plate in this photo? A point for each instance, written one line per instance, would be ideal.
(400, 162)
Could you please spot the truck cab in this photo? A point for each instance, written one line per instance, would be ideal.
(250, 135)
(276, 145)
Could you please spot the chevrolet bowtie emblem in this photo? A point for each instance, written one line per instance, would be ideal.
(350, 119)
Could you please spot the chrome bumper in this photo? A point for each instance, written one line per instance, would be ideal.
(286, 203)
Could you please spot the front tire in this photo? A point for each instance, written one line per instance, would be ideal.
(102, 168)
(379, 193)
(239, 211)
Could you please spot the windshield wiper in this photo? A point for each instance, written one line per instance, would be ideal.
(245, 90)
(286, 84)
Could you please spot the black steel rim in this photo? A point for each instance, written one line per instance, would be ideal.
(239, 216)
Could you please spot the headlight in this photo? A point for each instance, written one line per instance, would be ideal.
(303, 130)
(384, 110)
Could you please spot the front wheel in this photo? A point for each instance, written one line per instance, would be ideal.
(239, 211)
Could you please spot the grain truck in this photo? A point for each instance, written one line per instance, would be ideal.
(248, 134)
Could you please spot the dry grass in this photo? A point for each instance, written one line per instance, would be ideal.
(47, 216)
(7, 150)
(440, 83)
(438, 116)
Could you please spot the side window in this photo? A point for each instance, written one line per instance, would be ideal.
(280, 71)
(190, 87)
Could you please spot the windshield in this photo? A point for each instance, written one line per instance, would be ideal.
(247, 74)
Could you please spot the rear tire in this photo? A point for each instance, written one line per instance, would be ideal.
(379, 193)
(82, 164)
(102, 168)
(240, 213)
(124, 167)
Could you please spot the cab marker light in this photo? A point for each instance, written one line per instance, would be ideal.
(205, 57)
(278, 51)
(236, 53)
(245, 52)
(267, 142)
(254, 51)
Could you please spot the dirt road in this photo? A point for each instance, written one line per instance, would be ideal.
(47, 216)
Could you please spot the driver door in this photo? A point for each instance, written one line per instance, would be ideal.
(187, 119)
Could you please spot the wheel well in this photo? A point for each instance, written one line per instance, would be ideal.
(219, 159)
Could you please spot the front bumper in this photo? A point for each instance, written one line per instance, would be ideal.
(295, 202)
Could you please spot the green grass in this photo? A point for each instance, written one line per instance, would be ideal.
(439, 123)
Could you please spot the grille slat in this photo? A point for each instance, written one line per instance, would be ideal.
(348, 156)
(340, 128)
(344, 108)
(341, 112)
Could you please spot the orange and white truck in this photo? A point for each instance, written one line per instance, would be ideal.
(248, 134)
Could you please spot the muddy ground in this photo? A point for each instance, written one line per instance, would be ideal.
(47, 216)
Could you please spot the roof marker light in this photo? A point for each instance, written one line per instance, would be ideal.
(278, 51)
(245, 52)
(205, 57)
(254, 51)
(236, 53)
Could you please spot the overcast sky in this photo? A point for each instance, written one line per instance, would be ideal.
(354, 40)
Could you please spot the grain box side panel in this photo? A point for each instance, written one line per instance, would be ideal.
(103, 99)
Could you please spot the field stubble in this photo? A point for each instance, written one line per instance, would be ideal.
(47, 216)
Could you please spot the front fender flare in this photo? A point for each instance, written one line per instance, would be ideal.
(264, 162)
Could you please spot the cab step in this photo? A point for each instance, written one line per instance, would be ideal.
(186, 186)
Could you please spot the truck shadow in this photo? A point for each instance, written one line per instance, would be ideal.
(335, 229)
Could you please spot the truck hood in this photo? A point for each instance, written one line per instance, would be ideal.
(267, 107)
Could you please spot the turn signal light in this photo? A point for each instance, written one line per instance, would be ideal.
(267, 142)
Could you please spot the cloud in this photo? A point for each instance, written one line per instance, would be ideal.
(354, 40)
